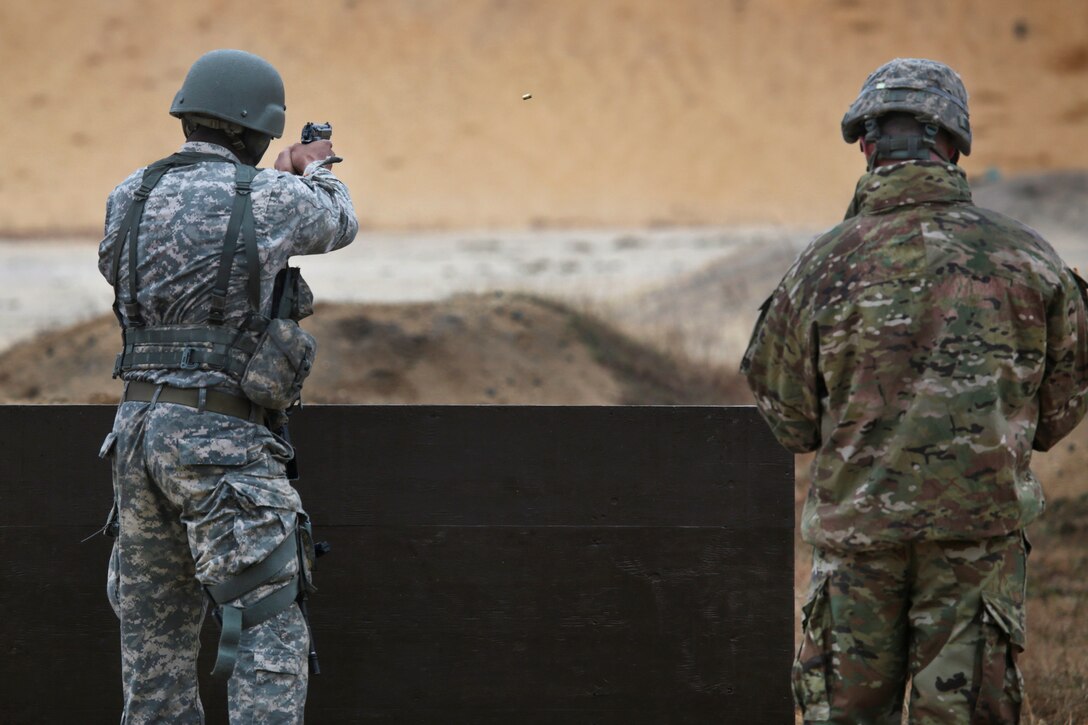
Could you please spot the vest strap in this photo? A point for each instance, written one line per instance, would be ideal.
(195, 346)
(241, 212)
(129, 231)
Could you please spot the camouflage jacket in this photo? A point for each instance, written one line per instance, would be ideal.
(922, 348)
(181, 238)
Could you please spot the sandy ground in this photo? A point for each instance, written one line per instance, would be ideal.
(686, 112)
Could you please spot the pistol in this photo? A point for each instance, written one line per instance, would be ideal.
(313, 131)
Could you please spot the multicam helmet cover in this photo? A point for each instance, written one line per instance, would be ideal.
(926, 89)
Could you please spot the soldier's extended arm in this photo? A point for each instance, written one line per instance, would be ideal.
(314, 202)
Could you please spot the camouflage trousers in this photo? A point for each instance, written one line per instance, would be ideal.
(949, 615)
(200, 497)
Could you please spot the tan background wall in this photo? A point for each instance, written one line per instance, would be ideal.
(644, 111)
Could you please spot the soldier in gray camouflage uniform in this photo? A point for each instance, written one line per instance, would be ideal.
(922, 348)
(199, 480)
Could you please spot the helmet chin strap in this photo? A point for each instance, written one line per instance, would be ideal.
(916, 147)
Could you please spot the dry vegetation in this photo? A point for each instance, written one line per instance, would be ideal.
(1055, 663)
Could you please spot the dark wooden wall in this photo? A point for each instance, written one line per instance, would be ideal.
(505, 565)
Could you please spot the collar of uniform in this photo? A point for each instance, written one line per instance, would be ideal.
(203, 147)
(908, 183)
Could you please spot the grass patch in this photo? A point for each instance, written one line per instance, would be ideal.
(1055, 662)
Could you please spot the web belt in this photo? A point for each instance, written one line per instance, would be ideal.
(213, 401)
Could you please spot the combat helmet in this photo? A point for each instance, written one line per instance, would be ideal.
(928, 90)
(236, 88)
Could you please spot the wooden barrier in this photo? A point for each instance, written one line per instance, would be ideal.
(490, 565)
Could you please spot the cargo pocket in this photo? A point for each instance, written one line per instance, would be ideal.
(1000, 684)
(810, 669)
(262, 512)
(242, 517)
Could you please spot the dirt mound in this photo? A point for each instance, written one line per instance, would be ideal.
(494, 348)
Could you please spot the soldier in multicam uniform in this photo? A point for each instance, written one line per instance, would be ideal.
(922, 348)
(200, 490)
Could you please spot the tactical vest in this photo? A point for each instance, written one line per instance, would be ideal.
(212, 345)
